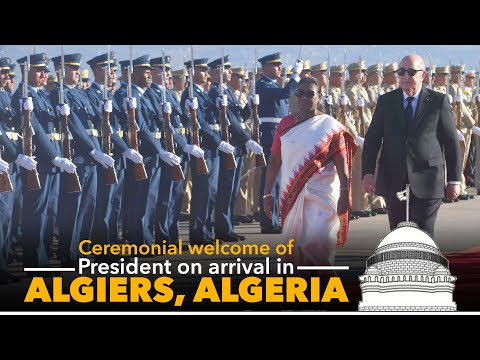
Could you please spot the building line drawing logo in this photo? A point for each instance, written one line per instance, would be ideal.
(407, 272)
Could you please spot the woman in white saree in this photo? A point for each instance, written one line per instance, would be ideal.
(313, 153)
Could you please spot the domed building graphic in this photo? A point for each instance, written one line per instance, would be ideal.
(407, 272)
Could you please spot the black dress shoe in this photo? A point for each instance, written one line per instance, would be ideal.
(227, 238)
(252, 218)
(271, 230)
(361, 213)
(471, 196)
(372, 213)
(243, 219)
(463, 197)
(353, 217)
(240, 237)
(380, 211)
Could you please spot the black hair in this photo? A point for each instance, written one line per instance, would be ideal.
(309, 80)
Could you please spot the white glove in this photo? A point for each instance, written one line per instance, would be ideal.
(254, 147)
(192, 104)
(133, 155)
(27, 104)
(298, 66)
(450, 98)
(169, 158)
(476, 130)
(360, 141)
(460, 136)
(103, 159)
(327, 100)
(377, 96)
(194, 150)
(26, 162)
(226, 148)
(360, 102)
(129, 103)
(167, 108)
(254, 99)
(223, 100)
(343, 100)
(458, 98)
(64, 164)
(477, 98)
(3, 166)
(63, 109)
(108, 106)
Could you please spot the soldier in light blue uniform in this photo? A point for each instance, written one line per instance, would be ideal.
(105, 225)
(229, 180)
(39, 210)
(77, 209)
(272, 108)
(9, 154)
(204, 187)
(171, 192)
(12, 222)
(142, 195)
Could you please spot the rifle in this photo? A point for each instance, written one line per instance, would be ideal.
(33, 182)
(476, 104)
(72, 181)
(328, 110)
(183, 74)
(230, 162)
(259, 159)
(177, 173)
(200, 162)
(107, 146)
(458, 104)
(361, 116)
(5, 181)
(138, 169)
(430, 76)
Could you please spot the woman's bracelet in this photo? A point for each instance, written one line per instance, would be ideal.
(268, 195)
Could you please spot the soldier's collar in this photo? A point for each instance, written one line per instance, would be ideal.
(270, 79)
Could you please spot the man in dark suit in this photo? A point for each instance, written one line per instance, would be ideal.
(415, 128)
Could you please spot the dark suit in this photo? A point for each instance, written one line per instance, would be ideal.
(413, 153)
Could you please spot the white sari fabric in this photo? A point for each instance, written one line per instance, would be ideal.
(310, 188)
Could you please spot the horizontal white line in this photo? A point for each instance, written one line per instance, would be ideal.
(49, 269)
(323, 267)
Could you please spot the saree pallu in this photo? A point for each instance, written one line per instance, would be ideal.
(310, 189)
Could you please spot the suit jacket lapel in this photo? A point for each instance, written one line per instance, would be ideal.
(423, 103)
(400, 110)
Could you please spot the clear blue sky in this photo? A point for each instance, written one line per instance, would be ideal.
(244, 54)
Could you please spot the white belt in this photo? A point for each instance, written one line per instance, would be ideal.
(270, 120)
(156, 134)
(120, 133)
(13, 135)
(92, 132)
(215, 127)
(181, 131)
(243, 125)
(54, 136)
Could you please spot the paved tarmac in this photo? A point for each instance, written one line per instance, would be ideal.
(457, 230)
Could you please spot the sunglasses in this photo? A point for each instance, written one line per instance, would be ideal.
(411, 72)
(307, 93)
